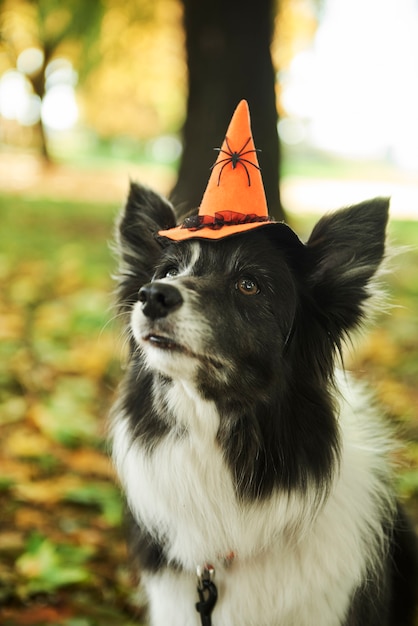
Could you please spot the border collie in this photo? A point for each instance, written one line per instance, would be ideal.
(245, 454)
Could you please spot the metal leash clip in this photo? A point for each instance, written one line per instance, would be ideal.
(208, 593)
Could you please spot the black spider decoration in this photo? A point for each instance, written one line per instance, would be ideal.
(235, 158)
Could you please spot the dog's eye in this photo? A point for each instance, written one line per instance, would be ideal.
(247, 286)
(171, 271)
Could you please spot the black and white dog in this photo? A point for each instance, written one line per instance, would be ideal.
(237, 441)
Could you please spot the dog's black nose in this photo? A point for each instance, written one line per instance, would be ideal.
(159, 299)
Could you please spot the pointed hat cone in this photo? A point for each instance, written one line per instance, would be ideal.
(235, 182)
(234, 200)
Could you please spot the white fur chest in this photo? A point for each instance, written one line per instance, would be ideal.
(293, 566)
(182, 491)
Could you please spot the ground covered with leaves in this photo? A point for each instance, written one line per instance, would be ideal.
(62, 553)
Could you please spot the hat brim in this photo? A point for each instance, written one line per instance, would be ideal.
(179, 233)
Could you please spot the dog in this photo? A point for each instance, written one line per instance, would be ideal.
(245, 452)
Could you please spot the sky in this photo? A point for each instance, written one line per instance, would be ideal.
(356, 88)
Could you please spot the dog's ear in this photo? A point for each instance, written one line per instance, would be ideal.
(144, 214)
(344, 252)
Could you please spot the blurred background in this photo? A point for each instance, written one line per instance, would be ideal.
(95, 94)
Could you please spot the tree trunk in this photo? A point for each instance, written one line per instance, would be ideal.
(228, 57)
(38, 84)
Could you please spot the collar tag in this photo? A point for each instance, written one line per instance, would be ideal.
(208, 593)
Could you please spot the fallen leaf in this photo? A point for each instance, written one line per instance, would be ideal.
(10, 541)
(11, 325)
(102, 494)
(90, 462)
(65, 416)
(35, 616)
(24, 442)
(13, 472)
(48, 491)
(47, 566)
(13, 409)
(28, 518)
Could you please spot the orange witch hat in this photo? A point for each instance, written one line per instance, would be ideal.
(234, 200)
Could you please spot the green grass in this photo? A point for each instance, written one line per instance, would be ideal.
(33, 228)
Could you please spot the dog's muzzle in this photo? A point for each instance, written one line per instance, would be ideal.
(158, 299)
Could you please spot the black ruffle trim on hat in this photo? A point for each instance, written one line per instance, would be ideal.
(222, 218)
